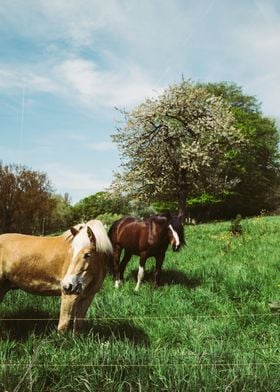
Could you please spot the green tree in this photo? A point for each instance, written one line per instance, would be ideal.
(256, 163)
(176, 146)
(62, 216)
(99, 204)
(26, 201)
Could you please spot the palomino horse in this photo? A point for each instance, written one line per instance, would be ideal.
(72, 265)
(144, 238)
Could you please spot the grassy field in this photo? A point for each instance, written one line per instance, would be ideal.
(207, 328)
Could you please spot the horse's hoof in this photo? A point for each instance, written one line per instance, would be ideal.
(118, 283)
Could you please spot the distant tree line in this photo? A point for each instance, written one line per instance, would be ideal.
(204, 150)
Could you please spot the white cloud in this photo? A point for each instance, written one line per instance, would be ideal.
(75, 21)
(103, 146)
(259, 51)
(41, 83)
(80, 80)
(17, 77)
(7, 78)
(123, 87)
(71, 180)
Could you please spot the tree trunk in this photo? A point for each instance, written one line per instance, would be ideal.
(182, 194)
(182, 206)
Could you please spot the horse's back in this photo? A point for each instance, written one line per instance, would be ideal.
(129, 233)
(25, 258)
(25, 243)
(12, 243)
(117, 226)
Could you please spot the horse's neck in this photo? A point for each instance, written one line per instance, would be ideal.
(156, 232)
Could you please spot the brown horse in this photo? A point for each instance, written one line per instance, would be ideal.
(72, 265)
(144, 238)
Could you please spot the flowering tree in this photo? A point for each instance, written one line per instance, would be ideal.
(178, 145)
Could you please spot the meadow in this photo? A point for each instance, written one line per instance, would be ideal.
(207, 328)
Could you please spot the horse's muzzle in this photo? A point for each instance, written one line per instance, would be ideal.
(69, 289)
(72, 284)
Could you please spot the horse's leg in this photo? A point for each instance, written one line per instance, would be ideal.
(67, 311)
(123, 264)
(117, 255)
(141, 270)
(159, 261)
(81, 309)
(5, 286)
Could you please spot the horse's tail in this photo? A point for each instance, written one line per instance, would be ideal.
(113, 230)
(111, 257)
(110, 265)
(111, 233)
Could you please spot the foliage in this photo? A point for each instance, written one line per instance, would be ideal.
(26, 201)
(108, 206)
(98, 204)
(62, 216)
(178, 145)
(255, 163)
(207, 328)
(164, 206)
(108, 218)
(141, 209)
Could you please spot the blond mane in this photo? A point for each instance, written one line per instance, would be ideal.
(103, 244)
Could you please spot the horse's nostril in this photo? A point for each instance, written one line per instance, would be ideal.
(67, 288)
(72, 289)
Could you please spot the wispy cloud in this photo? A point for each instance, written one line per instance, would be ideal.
(16, 77)
(74, 21)
(74, 180)
(105, 87)
(103, 146)
(259, 52)
(82, 81)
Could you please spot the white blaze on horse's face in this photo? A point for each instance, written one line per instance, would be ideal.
(175, 241)
(79, 274)
(80, 241)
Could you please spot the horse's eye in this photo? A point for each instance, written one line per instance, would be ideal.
(87, 255)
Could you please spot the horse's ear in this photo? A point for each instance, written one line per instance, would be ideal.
(91, 236)
(74, 231)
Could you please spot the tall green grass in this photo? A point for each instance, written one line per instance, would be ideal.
(207, 328)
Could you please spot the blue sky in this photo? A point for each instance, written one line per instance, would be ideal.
(66, 64)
